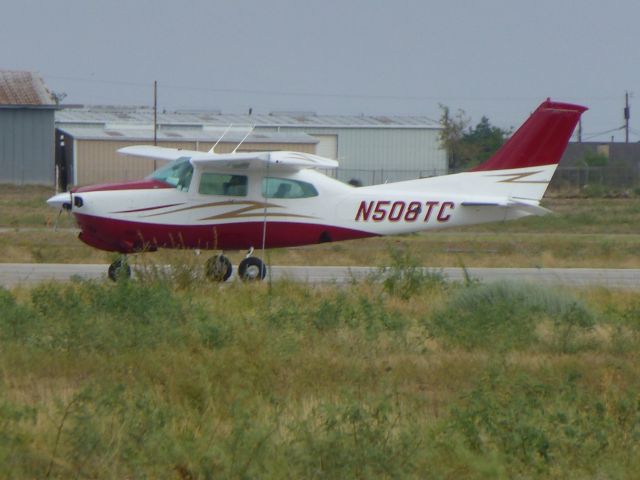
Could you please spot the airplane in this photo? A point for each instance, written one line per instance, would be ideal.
(237, 201)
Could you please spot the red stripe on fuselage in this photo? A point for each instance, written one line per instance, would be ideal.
(149, 208)
(128, 237)
(146, 184)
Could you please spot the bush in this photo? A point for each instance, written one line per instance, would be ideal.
(341, 311)
(595, 159)
(348, 309)
(105, 316)
(594, 190)
(352, 439)
(15, 319)
(504, 316)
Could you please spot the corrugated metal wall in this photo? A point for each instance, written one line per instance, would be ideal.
(27, 146)
(96, 161)
(378, 155)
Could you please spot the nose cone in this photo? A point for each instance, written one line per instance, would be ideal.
(61, 200)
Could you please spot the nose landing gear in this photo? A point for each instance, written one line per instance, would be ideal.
(119, 269)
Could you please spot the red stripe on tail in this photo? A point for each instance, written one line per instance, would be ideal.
(541, 140)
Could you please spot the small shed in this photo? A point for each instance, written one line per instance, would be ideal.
(26, 129)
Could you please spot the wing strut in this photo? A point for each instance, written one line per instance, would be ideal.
(244, 138)
(264, 218)
(213, 149)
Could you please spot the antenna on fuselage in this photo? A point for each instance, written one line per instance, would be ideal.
(244, 138)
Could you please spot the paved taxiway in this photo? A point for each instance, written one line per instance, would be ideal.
(12, 274)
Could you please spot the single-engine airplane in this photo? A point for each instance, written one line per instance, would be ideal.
(237, 201)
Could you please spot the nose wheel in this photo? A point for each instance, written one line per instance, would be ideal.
(119, 269)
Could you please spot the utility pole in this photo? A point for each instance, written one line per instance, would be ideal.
(155, 112)
(580, 130)
(155, 120)
(627, 115)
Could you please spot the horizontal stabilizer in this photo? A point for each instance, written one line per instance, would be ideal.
(528, 207)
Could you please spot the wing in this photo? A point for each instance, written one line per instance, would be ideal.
(249, 161)
(158, 153)
(264, 160)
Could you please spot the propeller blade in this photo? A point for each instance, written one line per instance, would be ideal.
(55, 226)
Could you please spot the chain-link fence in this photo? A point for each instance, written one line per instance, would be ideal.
(362, 177)
(614, 178)
(605, 177)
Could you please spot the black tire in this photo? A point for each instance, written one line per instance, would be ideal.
(119, 270)
(218, 268)
(251, 269)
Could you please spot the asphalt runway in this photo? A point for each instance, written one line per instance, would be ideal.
(13, 274)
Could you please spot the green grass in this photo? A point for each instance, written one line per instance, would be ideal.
(25, 206)
(163, 379)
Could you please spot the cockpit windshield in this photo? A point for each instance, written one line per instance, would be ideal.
(177, 173)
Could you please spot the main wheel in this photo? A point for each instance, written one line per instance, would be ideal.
(218, 268)
(119, 270)
(252, 268)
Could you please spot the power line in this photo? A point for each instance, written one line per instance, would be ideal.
(343, 95)
(308, 94)
(593, 135)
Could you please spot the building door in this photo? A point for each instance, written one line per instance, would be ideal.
(328, 146)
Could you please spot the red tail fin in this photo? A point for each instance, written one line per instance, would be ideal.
(541, 140)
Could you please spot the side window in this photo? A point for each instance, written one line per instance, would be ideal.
(223, 184)
(286, 188)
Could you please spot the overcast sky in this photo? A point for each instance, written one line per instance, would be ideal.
(497, 58)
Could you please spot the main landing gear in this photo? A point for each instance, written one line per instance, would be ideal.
(218, 268)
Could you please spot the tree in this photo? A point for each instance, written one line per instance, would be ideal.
(58, 97)
(468, 146)
(451, 136)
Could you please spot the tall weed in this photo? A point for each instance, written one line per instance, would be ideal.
(18, 456)
(181, 269)
(405, 277)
